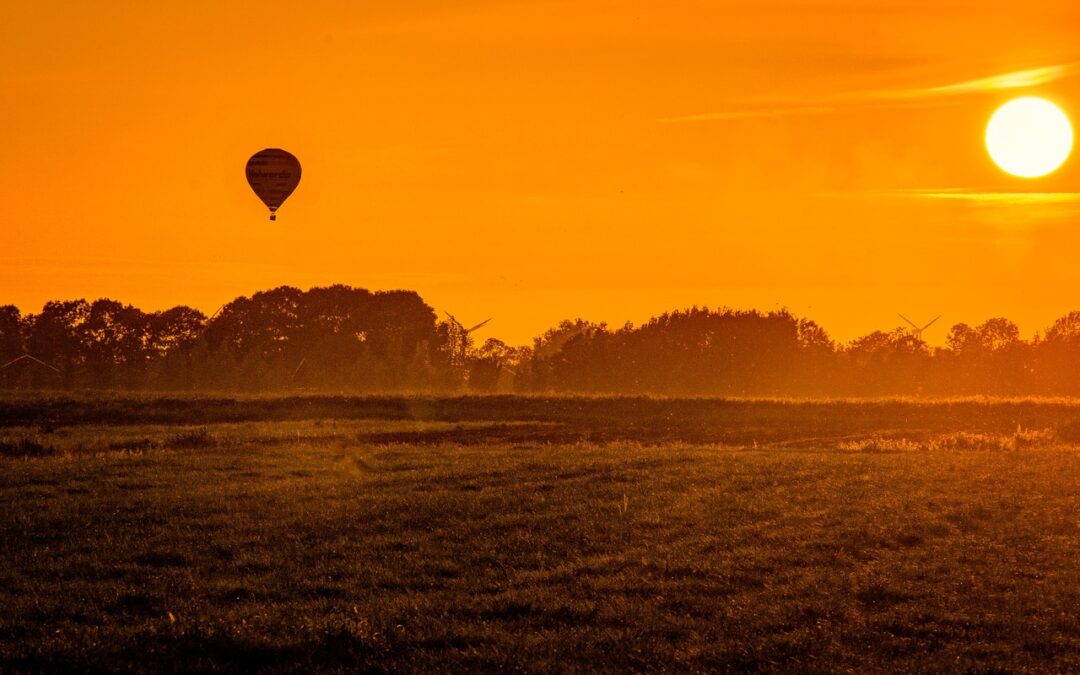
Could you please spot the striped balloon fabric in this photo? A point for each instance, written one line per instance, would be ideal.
(273, 174)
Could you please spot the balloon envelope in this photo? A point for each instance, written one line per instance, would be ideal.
(273, 174)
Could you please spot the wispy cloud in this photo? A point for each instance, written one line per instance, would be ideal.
(1019, 79)
(997, 197)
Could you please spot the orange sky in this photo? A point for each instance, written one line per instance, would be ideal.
(535, 161)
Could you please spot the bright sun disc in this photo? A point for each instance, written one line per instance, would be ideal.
(1029, 137)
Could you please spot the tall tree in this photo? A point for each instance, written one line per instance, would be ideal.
(56, 337)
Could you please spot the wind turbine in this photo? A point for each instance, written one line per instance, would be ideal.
(915, 330)
(33, 359)
(460, 336)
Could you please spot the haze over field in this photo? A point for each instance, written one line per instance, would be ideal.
(539, 160)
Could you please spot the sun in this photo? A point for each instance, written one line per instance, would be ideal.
(1029, 137)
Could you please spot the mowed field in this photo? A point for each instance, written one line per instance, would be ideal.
(534, 534)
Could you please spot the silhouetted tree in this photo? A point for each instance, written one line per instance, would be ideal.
(989, 359)
(696, 351)
(887, 363)
(547, 350)
(490, 363)
(176, 342)
(12, 343)
(12, 334)
(115, 342)
(331, 337)
(1057, 356)
(56, 337)
(339, 337)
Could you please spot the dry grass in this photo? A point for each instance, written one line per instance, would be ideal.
(1021, 439)
(320, 545)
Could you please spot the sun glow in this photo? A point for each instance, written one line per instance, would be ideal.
(1029, 137)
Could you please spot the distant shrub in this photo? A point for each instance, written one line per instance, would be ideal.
(196, 438)
(879, 444)
(25, 447)
(138, 445)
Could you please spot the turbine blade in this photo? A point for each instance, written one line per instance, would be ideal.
(14, 361)
(910, 322)
(931, 323)
(34, 358)
(298, 367)
(482, 323)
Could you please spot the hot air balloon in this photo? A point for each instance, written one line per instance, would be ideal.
(273, 174)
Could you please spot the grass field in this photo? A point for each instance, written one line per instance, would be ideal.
(336, 534)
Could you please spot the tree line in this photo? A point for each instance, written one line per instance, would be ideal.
(340, 338)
